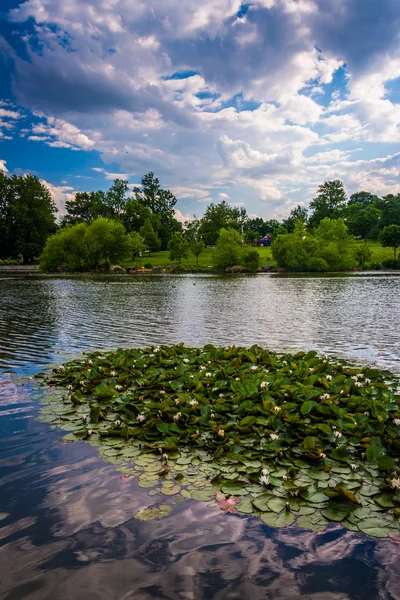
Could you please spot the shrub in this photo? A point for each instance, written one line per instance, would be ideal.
(148, 266)
(390, 263)
(228, 250)
(251, 260)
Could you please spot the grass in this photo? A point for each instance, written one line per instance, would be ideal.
(162, 259)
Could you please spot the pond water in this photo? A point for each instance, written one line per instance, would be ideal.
(67, 526)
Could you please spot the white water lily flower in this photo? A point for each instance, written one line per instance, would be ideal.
(117, 423)
(185, 360)
(140, 418)
(221, 432)
(324, 397)
(311, 369)
(237, 379)
(165, 456)
(285, 477)
(208, 374)
(264, 480)
(162, 391)
(358, 383)
(354, 467)
(209, 362)
(193, 403)
(90, 362)
(266, 371)
(328, 377)
(322, 455)
(159, 414)
(263, 384)
(201, 368)
(61, 368)
(100, 358)
(277, 408)
(177, 416)
(396, 422)
(85, 418)
(151, 355)
(367, 382)
(70, 387)
(82, 382)
(118, 387)
(221, 395)
(214, 389)
(337, 435)
(367, 413)
(273, 436)
(254, 367)
(113, 373)
(145, 366)
(177, 401)
(360, 375)
(265, 471)
(90, 431)
(395, 484)
(212, 415)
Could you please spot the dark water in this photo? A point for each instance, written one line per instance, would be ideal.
(67, 529)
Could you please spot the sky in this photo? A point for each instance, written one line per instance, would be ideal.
(256, 103)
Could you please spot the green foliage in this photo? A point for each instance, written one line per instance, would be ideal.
(293, 437)
(363, 254)
(329, 203)
(221, 216)
(390, 237)
(228, 251)
(161, 203)
(27, 216)
(390, 207)
(178, 247)
(150, 237)
(197, 248)
(299, 213)
(88, 206)
(251, 260)
(363, 221)
(330, 248)
(84, 246)
(261, 227)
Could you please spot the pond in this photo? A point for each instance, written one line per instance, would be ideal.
(67, 526)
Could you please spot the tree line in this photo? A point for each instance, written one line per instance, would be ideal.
(146, 220)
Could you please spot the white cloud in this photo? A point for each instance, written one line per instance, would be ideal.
(223, 196)
(60, 194)
(3, 166)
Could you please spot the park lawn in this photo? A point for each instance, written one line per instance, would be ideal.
(162, 259)
(379, 253)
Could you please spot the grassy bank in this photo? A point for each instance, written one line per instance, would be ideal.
(162, 259)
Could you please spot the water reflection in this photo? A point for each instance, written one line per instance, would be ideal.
(66, 518)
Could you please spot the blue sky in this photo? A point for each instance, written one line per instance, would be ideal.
(253, 103)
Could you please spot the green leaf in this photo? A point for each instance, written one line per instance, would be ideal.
(306, 407)
(373, 527)
(386, 464)
(283, 519)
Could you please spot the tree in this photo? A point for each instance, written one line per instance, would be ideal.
(151, 239)
(221, 216)
(228, 251)
(329, 203)
(363, 221)
(135, 214)
(178, 247)
(390, 238)
(27, 216)
(336, 245)
(84, 246)
(299, 213)
(84, 208)
(115, 197)
(197, 248)
(160, 202)
(137, 245)
(390, 207)
(251, 260)
(363, 198)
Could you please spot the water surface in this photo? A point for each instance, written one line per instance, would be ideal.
(67, 529)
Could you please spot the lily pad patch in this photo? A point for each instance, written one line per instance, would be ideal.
(293, 437)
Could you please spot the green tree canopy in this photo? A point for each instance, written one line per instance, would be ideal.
(299, 213)
(363, 198)
(221, 216)
(160, 202)
(363, 221)
(150, 237)
(178, 247)
(86, 246)
(330, 202)
(84, 208)
(390, 238)
(228, 251)
(390, 207)
(27, 216)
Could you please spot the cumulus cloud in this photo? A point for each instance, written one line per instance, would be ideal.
(3, 167)
(60, 194)
(211, 98)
